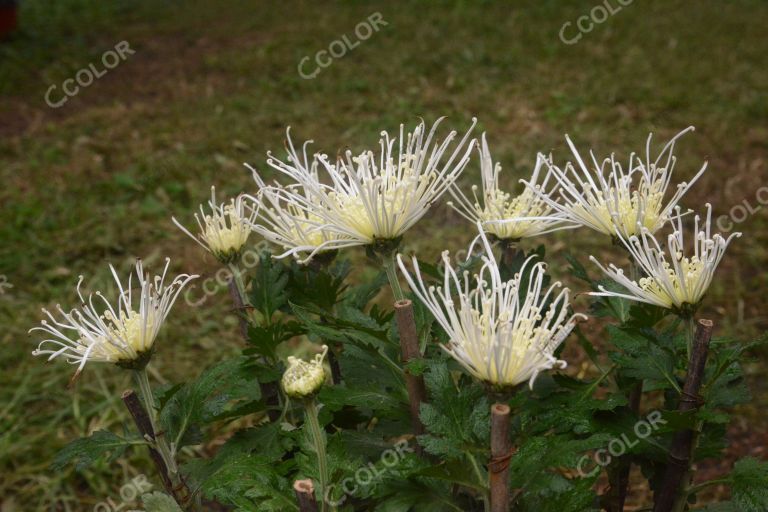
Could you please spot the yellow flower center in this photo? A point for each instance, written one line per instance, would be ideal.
(225, 234)
(682, 290)
(502, 206)
(382, 212)
(128, 335)
(625, 211)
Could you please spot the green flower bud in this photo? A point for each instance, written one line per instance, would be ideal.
(303, 379)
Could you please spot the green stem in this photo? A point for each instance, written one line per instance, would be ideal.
(237, 274)
(698, 487)
(318, 438)
(160, 442)
(482, 480)
(389, 266)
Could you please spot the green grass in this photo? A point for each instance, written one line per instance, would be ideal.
(214, 84)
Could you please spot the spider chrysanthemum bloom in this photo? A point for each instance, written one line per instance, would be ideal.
(288, 218)
(303, 379)
(612, 199)
(502, 214)
(124, 333)
(672, 279)
(225, 230)
(371, 197)
(502, 332)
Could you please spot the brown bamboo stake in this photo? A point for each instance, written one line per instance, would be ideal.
(409, 346)
(269, 390)
(181, 492)
(619, 476)
(305, 495)
(674, 489)
(501, 452)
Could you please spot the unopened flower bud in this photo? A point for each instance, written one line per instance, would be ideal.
(303, 379)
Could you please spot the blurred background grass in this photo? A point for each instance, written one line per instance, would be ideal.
(214, 84)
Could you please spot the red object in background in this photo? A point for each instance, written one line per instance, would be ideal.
(8, 18)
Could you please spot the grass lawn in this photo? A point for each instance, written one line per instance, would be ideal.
(213, 84)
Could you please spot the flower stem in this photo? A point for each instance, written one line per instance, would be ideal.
(318, 438)
(161, 443)
(389, 266)
(238, 277)
(481, 479)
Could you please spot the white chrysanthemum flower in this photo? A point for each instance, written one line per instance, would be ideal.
(288, 218)
(507, 216)
(378, 197)
(303, 379)
(223, 232)
(610, 199)
(499, 331)
(673, 280)
(124, 334)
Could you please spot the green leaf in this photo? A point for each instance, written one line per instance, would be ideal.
(159, 502)
(354, 327)
(458, 417)
(577, 269)
(615, 307)
(642, 355)
(645, 315)
(533, 466)
(382, 402)
(251, 483)
(454, 471)
(750, 485)
(268, 286)
(85, 451)
(419, 495)
(208, 398)
(341, 462)
(265, 338)
(266, 441)
(322, 287)
(725, 506)
(359, 296)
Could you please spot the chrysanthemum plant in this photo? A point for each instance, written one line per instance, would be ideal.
(460, 396)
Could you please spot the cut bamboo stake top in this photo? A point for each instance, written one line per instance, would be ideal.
(140, 417)
(409, 345)
(501, 452)
(677, 475)
(269, 390)
(305, 495)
